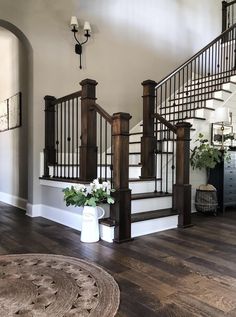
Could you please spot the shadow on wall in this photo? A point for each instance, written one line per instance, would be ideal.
(16, 144)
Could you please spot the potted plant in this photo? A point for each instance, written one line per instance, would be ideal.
(89, 197)
(206, 156)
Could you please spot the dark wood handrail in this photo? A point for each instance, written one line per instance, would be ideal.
(165, 122)
(103, 113)
(67, 97)
(177, 70)
(228, 4)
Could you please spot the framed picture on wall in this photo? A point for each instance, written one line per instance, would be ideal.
(10, 113)
(221, 134)
(3, 116)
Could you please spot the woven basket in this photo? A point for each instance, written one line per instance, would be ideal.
(206, 201)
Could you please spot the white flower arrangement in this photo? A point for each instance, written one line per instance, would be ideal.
(97, 193)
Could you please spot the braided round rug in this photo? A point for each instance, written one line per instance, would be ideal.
(46, 285)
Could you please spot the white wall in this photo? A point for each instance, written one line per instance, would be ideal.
(131, 41)
(13, 144)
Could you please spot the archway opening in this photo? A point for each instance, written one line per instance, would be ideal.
(15, 140)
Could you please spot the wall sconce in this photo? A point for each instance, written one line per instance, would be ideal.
(75, 28)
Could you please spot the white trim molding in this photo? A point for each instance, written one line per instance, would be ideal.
(13, 200)
(64, 217)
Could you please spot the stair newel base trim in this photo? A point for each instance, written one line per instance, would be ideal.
(148, 141)
(88, 148)
(182, 188)
(49, 150)
(182, 204)
(121, 210)
(121, 214)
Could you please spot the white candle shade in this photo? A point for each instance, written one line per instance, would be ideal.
(87, 26)
(74, 22)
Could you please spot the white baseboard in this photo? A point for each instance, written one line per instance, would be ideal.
(13, 200)
(64, 217)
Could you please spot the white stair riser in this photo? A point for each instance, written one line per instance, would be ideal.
(222, 94)
(229, 86)
(213, 103)
(135, 137)
(142, 228)
(142, 187)
(202, 113)
(134, 159)
(155, 225)
(148, 204)
(136, 147)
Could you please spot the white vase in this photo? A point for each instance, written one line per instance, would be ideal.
(90, 226)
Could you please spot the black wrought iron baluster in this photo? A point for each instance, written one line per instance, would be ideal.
(111, 157)
(167, 160)
(64, 141)
(105, 152)
(55, 167)
(173, 157)
(183, 106)
(73, 137)
(77, 138)
(69, 140)
(101, 147)
(161, 159)
(61, 141)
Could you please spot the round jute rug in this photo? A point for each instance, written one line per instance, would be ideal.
(46, 285)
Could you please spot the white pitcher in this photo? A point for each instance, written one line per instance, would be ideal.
(90, 226)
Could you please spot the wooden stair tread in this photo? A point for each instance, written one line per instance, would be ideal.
(210, 91)
(151, 179)
(193, 101)
(149, 195)
(154, 214)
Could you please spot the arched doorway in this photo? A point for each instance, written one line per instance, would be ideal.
(15, 142)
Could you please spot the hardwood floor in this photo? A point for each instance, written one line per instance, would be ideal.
(185, 273)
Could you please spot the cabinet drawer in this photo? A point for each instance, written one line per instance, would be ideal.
(230, 178)
(230, 191)
(230, 200)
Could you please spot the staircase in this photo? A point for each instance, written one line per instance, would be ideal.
(149, 165)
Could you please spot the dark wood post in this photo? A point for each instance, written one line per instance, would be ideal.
(224, 15)
(148, 140)
(49, 150)
(121, 210)
(88, 148)
(182, 188)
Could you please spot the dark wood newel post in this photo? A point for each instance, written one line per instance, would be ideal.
(224, 16)
(148, 140)
(182, 188)
(121, 210)
(88, 148)
(49, 150)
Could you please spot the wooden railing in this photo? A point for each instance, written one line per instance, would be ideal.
(228, 14)
(84, 142)
(165, 149)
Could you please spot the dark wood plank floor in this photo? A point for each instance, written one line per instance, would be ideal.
(184, 273)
